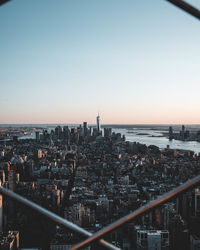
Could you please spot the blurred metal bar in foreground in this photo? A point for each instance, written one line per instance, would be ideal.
(4, 1)
(53, 217)
(186, 7)
(140, 211)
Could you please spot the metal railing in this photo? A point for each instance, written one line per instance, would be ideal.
(97, 237)
(3, 1)
(178, 3)
(186, 7)
(140, 211)
(53, 217)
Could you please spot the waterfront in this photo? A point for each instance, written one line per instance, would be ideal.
(92, 180)
(149, 135)
(152, 137)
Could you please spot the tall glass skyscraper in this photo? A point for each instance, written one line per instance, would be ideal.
(98, 123)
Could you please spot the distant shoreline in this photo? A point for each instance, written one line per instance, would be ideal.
(122, 126)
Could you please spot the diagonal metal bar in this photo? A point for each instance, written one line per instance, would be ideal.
(186, 7)
(4, 1)
(53, 217)
(179, 3)
(140, 211)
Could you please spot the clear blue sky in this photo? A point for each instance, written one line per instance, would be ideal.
(134, 61)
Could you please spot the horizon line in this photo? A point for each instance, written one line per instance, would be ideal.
(103, 124)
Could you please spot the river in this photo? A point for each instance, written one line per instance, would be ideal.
(147, 137)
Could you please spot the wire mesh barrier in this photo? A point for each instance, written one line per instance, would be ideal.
(97, 237)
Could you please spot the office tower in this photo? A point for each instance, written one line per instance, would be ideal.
(17, 177)
(95, 132)
(39, 154)
(152, 239)
(56, 198)
(167, 212)
(66, 132)
(187, 134)
(58, 132)
(179, 234)
(65, 129)
(194, 242)
(85, 128)
(197, 202)
(98, 123)
(170, 133)
(107, 132)
(37, 135)
(11, 180)
(2, 176)
(183, 132)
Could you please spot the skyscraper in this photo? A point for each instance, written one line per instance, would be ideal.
(98, 123)
(197, 201)
(170, 133)
(85, 128)
(2, 176)
(37, 135)
(11, 180)
(183, 133)
(152, 239)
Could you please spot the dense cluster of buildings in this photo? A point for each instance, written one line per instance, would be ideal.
(184, 135)
(93, 177)
(15, 132)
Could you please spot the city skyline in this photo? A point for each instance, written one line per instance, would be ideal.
(134, 62)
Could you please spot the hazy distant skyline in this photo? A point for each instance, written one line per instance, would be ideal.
(133, 61)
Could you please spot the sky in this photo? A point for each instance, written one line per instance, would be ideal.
(133, 61)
